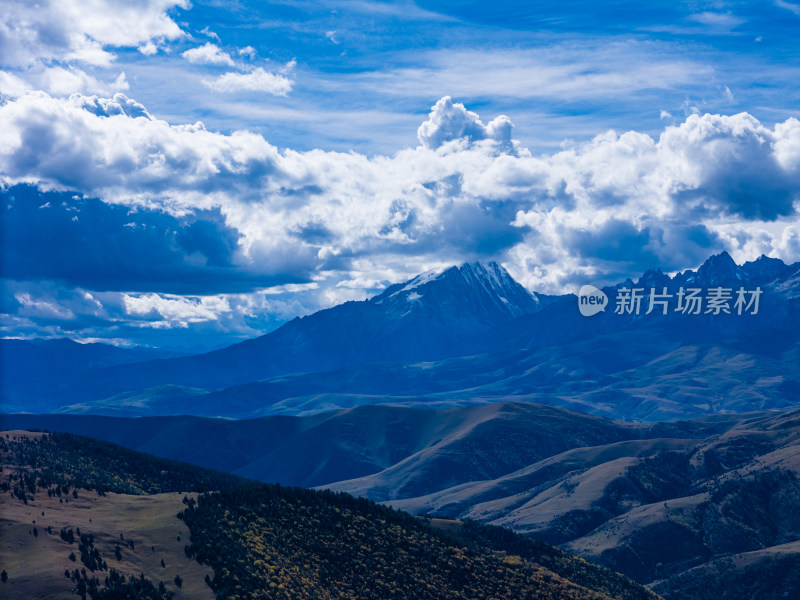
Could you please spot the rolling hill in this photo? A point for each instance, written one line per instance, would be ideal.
(723, 488)
(455, 444)
(61, 497)
(729, 495)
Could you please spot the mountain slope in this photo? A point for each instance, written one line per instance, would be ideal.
(731, 493)
(261, 541)
(717, 486)
(617, 375)
(471, 334)
(429, 317)
(432, 316)
(457, 445)
(63, 360)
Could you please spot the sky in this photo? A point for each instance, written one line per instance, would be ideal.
(186, 175)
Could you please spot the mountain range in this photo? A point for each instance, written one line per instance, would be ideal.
(460, 396)
(464, 335)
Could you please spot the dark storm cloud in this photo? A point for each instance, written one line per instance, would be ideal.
(90, 244)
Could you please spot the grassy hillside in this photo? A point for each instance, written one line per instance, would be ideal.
(75, 520)
(732, 493)
(427, 449)
(103, 514)
(607, 491)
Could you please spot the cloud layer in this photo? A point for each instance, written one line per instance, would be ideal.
(164, 209)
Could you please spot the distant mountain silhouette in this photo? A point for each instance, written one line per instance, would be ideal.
(472, 334)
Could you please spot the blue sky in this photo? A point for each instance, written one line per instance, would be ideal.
(187, 175)
(367, 72)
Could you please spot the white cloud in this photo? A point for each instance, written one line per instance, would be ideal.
(81, 30)
(727, 94)
(49, 309)
(725, 21)
(60, 81)
(789, 244)
(207, 32)
(790, 6)
(257, 80)
(617, 204)
(148, 48)
(248, 52)
(449, 122)
(575, 71)
(42, 307)
(13, 86)
(209, 54)
(175, 310)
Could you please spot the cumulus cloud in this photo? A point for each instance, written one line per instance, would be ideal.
(789, 244)
(62, 81)
(209, 54)
(729, 164)
(449, 122)
(73, 142)
(605, 209)
(13, 86)
(81, 30)
(257, 80)
(148, 48)
(175, 310)
(120, 104)
(59, 81)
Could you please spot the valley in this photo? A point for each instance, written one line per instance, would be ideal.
(716, 487)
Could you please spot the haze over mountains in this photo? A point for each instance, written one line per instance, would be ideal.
(466, 335)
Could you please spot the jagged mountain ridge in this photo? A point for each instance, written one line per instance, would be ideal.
(475, 309)
(430, 317)
(486, 285)
(560, 322)
(719, 270)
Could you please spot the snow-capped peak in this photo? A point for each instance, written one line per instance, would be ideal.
(479, 283)
(421, 280)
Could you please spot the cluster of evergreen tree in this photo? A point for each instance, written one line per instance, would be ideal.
(268, 541)
(555, 559)
(61, 463)
(116, 586)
